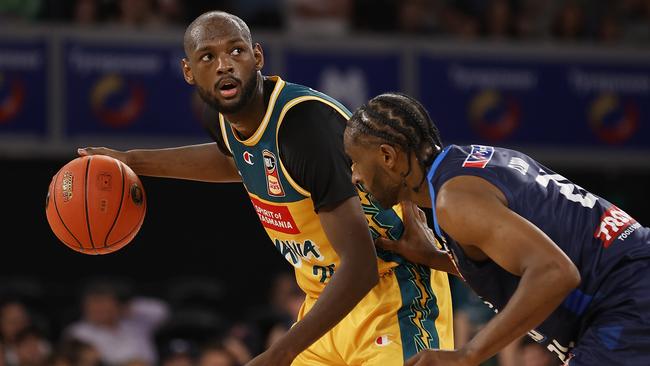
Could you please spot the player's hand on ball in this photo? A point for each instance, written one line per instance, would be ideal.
(418, 243)
(119, 155)
(437, 357)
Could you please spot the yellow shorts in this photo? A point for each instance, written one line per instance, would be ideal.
(409, 310)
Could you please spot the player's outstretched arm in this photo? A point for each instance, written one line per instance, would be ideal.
(474, 213)
(203, 162)
(347, 229)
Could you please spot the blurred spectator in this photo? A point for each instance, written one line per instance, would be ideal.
(172, 12)
(375, 15)
(569, 23)
(86, 12)
(120, 328)
(138, 14)
(216, 354)
(315, 17)
(634, 19)
(461, 18)
(286, 297)
(499, 20)
(418, 16)
(609, 29)
(73, 352)
(14, 318)
(533, 354)
(178, 352)
(32, 348)
(19, 10)
(260, 14)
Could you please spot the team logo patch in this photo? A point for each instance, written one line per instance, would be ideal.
(383, 341)
(273, 184)
(248, 157)
(479, 157)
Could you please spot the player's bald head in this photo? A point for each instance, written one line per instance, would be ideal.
(214, 24)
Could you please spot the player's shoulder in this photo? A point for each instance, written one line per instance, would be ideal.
(293, 95)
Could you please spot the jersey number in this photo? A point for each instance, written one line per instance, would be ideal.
(572, 192)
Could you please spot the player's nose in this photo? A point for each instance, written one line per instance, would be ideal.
(224, 65)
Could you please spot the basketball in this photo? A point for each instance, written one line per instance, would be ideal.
(95, 204)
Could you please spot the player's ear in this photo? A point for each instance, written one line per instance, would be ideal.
(187, 71)
(258, 53)
(388, 155)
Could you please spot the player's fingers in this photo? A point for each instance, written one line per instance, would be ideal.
(385, 244)
(85, 151)
(421, 215)
(408, 213)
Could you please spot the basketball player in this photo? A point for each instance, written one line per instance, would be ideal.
(541, 251)
(285, 143)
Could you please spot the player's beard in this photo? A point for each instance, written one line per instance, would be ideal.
(248, 89)
(385, 193)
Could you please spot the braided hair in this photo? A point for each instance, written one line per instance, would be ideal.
(399, 120)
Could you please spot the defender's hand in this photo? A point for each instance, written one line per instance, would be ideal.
(438, 357)
(418, 243)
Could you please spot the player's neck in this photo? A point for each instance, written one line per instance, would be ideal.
(417, 186)
(249, 118)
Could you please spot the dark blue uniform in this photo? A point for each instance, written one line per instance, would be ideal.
(606, 320)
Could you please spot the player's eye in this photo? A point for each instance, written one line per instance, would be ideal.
(206, 58)
(236, 51)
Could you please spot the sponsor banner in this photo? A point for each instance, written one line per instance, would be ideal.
(128, 90)
(351, 78)
(528, 102)
(23, 87)
(615, 224)
(275, 217)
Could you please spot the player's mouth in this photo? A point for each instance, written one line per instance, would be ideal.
(228, 88)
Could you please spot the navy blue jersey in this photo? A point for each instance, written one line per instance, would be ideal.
(595, 234)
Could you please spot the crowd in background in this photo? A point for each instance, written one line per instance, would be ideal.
(113, 321)
(190, 321)
(596, 21)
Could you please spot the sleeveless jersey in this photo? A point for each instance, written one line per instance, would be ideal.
(285, 209)
(596, 235)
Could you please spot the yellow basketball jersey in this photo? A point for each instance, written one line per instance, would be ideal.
(287, 213)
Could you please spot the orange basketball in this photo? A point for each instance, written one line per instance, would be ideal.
(95, 204)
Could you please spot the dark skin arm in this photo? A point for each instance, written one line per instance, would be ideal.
(475, 214)
(203, 162)
(418, 243)
(347, 229)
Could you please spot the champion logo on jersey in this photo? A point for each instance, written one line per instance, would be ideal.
(248, 158)
(382, 341)
(479, 157)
